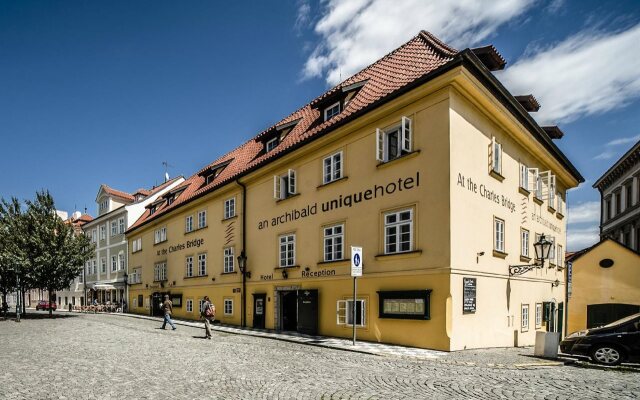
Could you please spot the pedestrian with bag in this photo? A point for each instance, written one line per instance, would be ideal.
(208, 313)
(167, 307)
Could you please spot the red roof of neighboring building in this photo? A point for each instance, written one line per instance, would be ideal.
(117, 193)
(406, 67)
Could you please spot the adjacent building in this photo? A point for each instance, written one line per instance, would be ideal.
(619, 189)
(106, 273)
(425, 161)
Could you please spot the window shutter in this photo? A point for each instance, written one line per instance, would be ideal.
(276, 187)
(498, 151)
(552, 189)
(492, 147)
(341, 312)
(379, 145)
(406, 134)
(292, 181)
(533, 179)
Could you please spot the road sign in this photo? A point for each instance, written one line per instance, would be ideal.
(356, 261)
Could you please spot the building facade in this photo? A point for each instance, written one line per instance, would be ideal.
(422, 159)
(106, 273)
(619, 189)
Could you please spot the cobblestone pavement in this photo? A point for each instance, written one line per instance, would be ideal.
(108, 357)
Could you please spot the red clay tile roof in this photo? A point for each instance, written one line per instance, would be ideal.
(117, 193)
(421, 55)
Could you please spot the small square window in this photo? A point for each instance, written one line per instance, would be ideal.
(331, 111)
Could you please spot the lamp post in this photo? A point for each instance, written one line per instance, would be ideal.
(242, 264)
(542, 249)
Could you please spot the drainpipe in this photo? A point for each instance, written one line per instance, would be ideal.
(243, 254)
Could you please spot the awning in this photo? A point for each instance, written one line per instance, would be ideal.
(99, 286)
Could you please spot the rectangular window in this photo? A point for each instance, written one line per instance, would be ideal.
(287, 250)
(160, 272)
(538, 315)
(121, 261)
(495, 151)
(188, 263)
(188, 224)
(114, 264)
(406, 304)
(498, 234)
(202, 264)
(398, 232)
(121, 226)
(332, 168)
(333, 242)
(94, 263)
(552, 191)
(524, 177)
(114, 228)
(136, 245)
(560, 255)
(552, 251)
(618, 202)
(103, 232)
(136, 277)
(560, 207)
(525, 317)
(331, 111)
(607, 204)
(394, 142)
(200, 303)
(202, 219)
(189, 305)
(161, 235)
(272, 144)
(228, 260)
(94, 236)
(80, 278)
(103, 265)
(230, 208)
(345, 312)
(629, 192)
(284, 186)
(524, 242)
(228, 307)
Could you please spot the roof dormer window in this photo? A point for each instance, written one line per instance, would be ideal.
(152, 210)
(332, 111)
(272, 144)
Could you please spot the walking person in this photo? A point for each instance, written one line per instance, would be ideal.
(167, 307)
(208, 313)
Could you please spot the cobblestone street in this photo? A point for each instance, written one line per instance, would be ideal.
(103, 356)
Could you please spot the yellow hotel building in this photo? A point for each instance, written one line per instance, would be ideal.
(425, 161)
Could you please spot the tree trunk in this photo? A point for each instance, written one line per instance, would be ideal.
(23, 302)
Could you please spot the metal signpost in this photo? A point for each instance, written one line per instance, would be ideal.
(356, 271)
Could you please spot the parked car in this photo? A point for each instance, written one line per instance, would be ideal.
(610, 344)
(44, 305)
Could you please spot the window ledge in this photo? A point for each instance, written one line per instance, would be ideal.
(551, 209)
(496, 175)
(163, 280)
(404, 254)
(229, 218)
(229, 273)
(500, 254)
(345, 260)
(195, 276)
(525, 259)
(524, 191)
(287, 198)
(291, 267)
(344, 178)
(195, 230)
(559, 215)
(537, 200)
(155, 244)
(402, 157)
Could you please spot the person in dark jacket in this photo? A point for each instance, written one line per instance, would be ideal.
(167, 307)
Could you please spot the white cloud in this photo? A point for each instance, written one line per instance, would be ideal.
(624, 141)
(580, 238)
(605, 155)
(355, 33)
(304, 14)
(588, 73)
(584, 212)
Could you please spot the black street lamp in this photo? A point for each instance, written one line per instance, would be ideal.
(542, 248)
(242, 264)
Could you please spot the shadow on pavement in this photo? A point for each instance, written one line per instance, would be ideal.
(35, 315)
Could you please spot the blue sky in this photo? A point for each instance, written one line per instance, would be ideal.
(103, 92)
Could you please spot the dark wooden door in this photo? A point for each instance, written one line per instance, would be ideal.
(308, 311)
(602, 314)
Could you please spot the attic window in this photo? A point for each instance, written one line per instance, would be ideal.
(170, 200)
(152, 210)
(271, 144)
(332, 111)
(210, 178)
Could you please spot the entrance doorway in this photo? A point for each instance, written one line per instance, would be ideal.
(156, 304)
(289, 307)
(259, 310)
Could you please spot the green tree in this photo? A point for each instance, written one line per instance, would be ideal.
(13, 257)
(55, 253)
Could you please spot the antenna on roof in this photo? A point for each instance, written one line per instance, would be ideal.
(166, 173)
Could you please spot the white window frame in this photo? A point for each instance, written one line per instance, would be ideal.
(404, 140)
(188, 223)
(160, 235)
(524, 318)
(524, 177)
(495, 152)
(94, 235)
(114, 263)
(271, 144)
(121, 225)
(499, 234)
(189, 305)
(285, 186)
(136, 245)
(560, 255)
(332, 168)
(103, 232)
(552, 251)
(286, 245)
(114, 228)
(160, 272)
(228, 260)
(202, 264)
(200, 303)
(188, 266)
(103, 265)
(121, 261)
(202, 219)
(333, 240)
(230, 208)
(228, 307)
(330, 112)
(398, 225)
(525, 238)
(344, 312)
(538, 315)
(94, 263)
